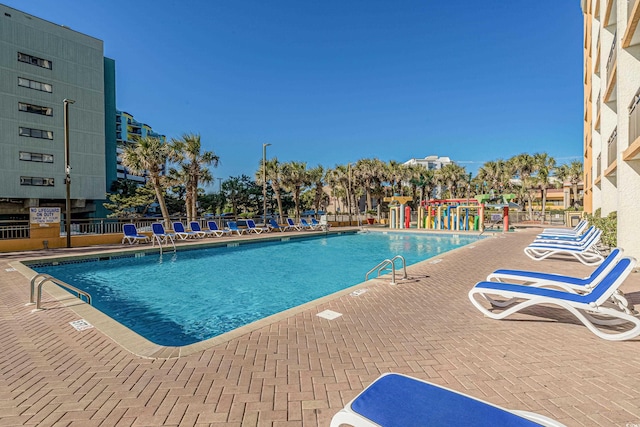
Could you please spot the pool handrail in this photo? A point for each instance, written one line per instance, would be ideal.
(382, 266)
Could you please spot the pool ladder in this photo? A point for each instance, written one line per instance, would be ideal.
(37, 299)
(384, 266)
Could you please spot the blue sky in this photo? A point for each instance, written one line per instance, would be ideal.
(329, 82)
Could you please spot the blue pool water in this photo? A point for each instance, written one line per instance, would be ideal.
(180, 298)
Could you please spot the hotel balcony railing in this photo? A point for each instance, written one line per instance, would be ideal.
(598, 105)
(612, 147)
(634, 117)
(599, 166)
(612, 56)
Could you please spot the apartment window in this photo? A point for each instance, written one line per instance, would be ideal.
(37, 181)
(35, 109)
(34, 60)
(35, 133)
(32, 84)
(36, 157)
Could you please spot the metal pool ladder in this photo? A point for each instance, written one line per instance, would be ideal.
(384, 266)
(47, 278)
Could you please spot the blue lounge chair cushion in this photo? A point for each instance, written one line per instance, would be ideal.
(399, 401)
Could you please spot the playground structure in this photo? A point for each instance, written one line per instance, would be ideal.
(449, 214)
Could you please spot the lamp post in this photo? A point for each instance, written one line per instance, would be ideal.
(264, 183)
(67, 169)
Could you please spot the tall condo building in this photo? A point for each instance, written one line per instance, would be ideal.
(612, 114)
(43, 64)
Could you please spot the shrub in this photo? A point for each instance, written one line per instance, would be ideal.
(608, 225)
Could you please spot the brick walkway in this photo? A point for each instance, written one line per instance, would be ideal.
(300, 370)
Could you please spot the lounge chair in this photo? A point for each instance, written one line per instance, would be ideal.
(605, 305)
(587, 252)
(578, 229)
(568, 283)
(253, 228)
(304, 225)
(195, 227)
(232, 226)
(132, 236)
(292, 225)
(214, 230)
(570, 239)
(181, 233)
(160, 235)
(273, 225)
(403, 401)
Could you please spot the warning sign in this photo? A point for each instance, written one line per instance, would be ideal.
(44, 215)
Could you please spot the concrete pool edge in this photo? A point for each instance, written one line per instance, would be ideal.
(142, 347)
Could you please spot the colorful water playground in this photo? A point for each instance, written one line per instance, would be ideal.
(451, 214)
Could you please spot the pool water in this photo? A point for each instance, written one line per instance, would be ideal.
(188, 296)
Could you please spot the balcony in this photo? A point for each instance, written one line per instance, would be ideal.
(633, 151)
(611, 69)
(612, 154)
(610, 13)
(631, 35)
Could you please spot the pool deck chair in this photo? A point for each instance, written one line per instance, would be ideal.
(273, 225)
(587, 252)
(304, 225)
(131, 235)
(253, 228)
(292, 225)
(395, 400)
(568, 283)
(232, 226)
(195, 227)
(578, 229)
(215, 231)
(572, 240)
(605, 311)
(181, 233)
(160, 235)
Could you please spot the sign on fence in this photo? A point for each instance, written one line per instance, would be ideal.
(44, 215)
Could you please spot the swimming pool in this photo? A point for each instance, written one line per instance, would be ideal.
(189, 296)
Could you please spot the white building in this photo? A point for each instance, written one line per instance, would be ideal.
(612, 114)
(429, 162)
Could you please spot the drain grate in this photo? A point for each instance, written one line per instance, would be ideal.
(329, 314)
(81, 325)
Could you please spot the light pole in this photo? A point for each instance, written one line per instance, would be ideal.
(264, 183)
(67, 169)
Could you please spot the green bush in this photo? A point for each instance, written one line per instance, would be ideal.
(608, 225)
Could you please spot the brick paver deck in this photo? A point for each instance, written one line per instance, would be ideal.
(300, 370)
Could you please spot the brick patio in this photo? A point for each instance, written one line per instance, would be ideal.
(301, 369)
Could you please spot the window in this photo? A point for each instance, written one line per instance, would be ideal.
(35, 133)
(37, 181)
(36, 157)
(35, 109)
(33, 60)
(32, 84)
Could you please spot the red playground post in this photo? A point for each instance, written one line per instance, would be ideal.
(407, 216)
(505, 218)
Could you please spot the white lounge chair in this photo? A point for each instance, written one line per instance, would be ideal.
(569, 239)
(253, 228)
(160, 235)
(587, 252)
(214, 230)
(568, 283)
(195, 227)
(604, 311)
(578, 229)
(181, 233)
(292, 225)
(131, 235)
(395, 400)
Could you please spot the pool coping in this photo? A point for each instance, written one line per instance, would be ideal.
(141, 346)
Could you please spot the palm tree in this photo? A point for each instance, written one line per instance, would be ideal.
(524, 166)
(187, 153)
(452, 176)
(149, 155)
(338, 179)
(273, 176)
(368, 172)
(294, 178)
(316, 179)
(495, 174)
(572, 173)
(545, 165)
